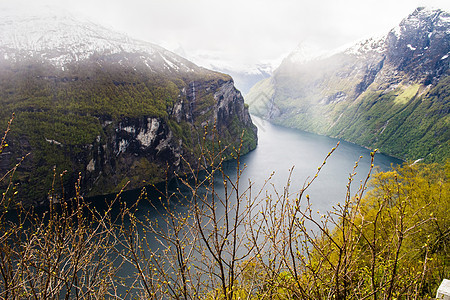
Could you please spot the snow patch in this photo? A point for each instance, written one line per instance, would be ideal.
(411, 47)
(371, 45)
(397, 31)
(170, 64)
(444, 57)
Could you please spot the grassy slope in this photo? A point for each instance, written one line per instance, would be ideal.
(409, 122)
(402, 123)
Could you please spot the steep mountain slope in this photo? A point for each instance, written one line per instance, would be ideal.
(390, 93)
(94, 101)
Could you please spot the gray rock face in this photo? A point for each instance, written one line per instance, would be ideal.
(133, 145)
(146, 150)
(229, 105)
(420, 45)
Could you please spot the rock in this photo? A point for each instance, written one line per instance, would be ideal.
(443, 292)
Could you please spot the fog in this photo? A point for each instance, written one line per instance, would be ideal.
(239, 35)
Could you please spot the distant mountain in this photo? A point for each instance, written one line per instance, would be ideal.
(244, 75)
(390, 93)
(59, 38)
(96, 102)
(244, 80)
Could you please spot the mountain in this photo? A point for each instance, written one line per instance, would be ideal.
(245, 79)
(244, 75)
(93, 101)
(390, 93)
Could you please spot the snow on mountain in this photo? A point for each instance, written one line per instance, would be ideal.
(61, 38)
(305, 52)
(374, 44)
(433, 20)
(423, 17)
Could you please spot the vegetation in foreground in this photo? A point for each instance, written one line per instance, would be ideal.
(391, 242)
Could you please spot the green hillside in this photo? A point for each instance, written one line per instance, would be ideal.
(68, 118)
(382, 93)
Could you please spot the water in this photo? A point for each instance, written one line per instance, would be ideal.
(285, 156)
(281, 149)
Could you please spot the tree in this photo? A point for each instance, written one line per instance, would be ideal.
(388, 240)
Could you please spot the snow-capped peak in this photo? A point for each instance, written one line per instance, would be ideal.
(422, 17)
(60, 37)
(425, 19)
(56, 30)
(373, 44)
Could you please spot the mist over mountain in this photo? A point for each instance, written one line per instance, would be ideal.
(57, 37)
(93, 101)
(245, 80)
(390, 92)
(244, 76)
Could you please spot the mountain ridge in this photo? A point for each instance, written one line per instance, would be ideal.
(59, 37)
(372, 92)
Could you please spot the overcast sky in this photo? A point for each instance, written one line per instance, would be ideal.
(241, 33)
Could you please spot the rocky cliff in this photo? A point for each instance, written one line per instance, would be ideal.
(94, 102)
(390, 92)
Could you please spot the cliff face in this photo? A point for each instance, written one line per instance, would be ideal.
(389, 93)
(147, 149)
(93, 102)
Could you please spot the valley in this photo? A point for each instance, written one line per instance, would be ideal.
(128, 171)
(390, 93)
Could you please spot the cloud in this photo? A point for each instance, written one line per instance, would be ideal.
(247, 32)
